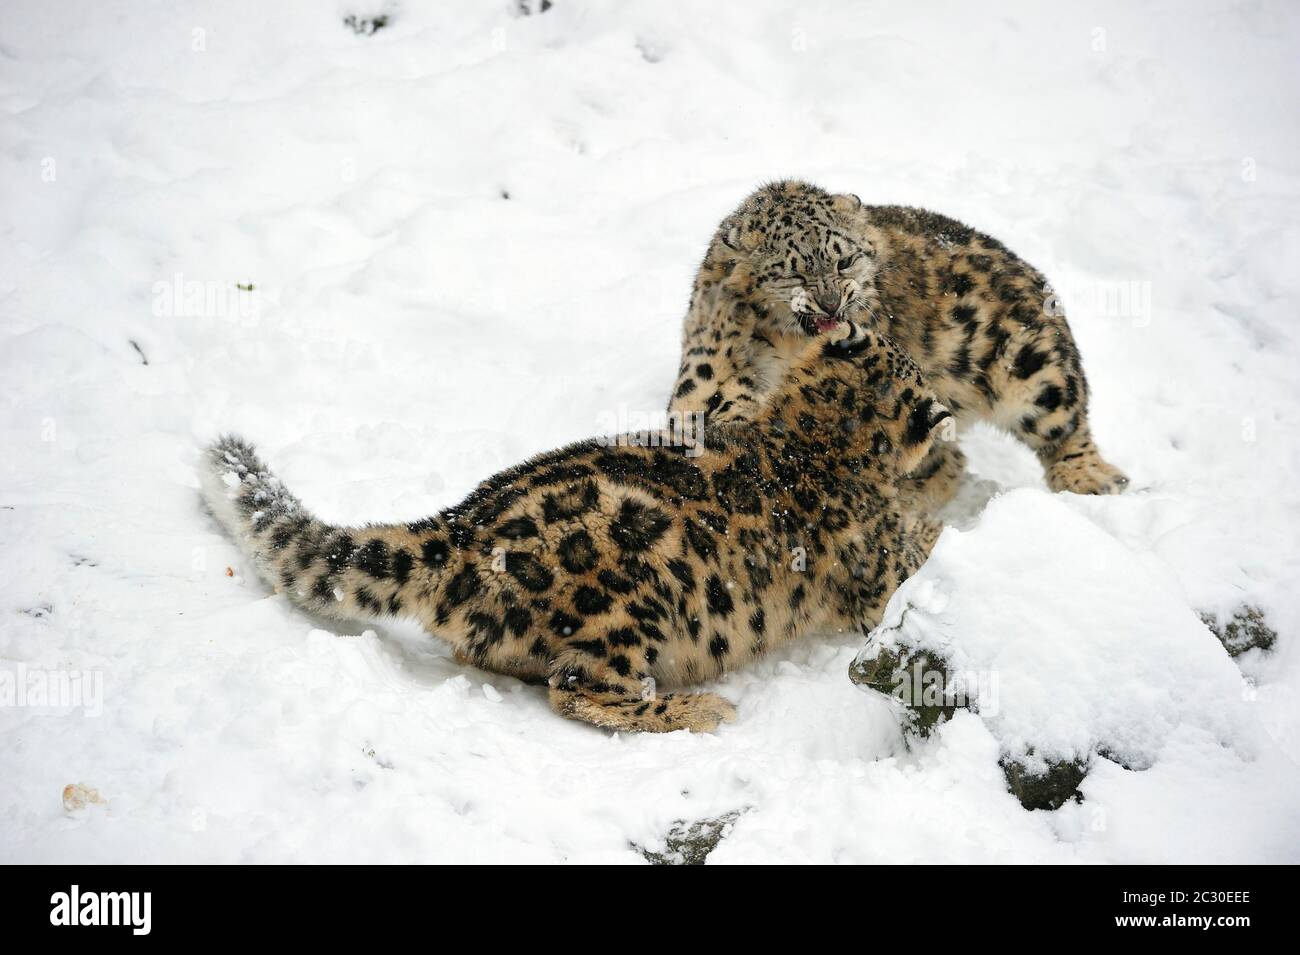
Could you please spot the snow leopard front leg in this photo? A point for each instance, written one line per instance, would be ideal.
(721, 372)
(935, 481)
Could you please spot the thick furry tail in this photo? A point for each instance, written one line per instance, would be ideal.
(339, 572)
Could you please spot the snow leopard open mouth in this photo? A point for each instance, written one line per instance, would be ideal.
(818, 324)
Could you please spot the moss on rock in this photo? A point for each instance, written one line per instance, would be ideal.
(1245, 630)
(689, 843)
(918, 679)
(1049, 788)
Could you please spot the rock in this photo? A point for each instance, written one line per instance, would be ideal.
(1043, 784)
(1244, 630)
(917, 678)
(362, 26)
(690, 843)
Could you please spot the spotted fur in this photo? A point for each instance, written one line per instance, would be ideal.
(610, 571)
(981, 323)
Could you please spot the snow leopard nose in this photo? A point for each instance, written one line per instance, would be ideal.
(829, 301)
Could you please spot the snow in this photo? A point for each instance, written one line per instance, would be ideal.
(409, 330)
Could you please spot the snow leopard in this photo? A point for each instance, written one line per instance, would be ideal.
(991, 340)
(612, 569)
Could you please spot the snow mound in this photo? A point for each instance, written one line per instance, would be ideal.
(1067, 642)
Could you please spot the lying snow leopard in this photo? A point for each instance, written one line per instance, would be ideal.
(792, 259)
(607, 570)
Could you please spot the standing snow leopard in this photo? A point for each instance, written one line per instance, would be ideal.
(793, 260)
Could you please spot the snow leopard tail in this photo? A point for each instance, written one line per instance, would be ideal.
(362, 573)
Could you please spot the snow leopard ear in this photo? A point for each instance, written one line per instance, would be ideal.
(846, 202)
(735, 237)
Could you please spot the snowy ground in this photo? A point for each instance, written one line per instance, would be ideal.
(470, 237)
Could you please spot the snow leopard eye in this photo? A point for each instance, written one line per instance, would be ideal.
(848, 261)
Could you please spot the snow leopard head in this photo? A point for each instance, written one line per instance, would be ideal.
(801, 256)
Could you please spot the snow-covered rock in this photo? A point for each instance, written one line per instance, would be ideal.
(1066, 642)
